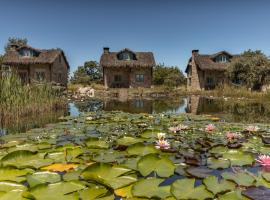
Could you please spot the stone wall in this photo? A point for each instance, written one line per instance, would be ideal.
(128, 77)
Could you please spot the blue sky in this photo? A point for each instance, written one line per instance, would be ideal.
(169, 28)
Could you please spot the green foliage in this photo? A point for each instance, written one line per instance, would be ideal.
(251, 69)
(15, 41)
(90, 72)
(168, 75)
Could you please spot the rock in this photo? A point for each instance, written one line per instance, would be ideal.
(86, 92)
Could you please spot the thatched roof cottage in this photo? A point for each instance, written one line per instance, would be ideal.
(127, 69)
(206, 71)
(38, 65)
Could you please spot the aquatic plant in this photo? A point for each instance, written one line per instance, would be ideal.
(231, 136)
(162, 144)
(264, 160)
(252, 128)
(178, 128)
(210, 128)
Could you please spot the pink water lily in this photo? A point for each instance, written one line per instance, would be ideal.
(252, 128)
(232, 136)
(162, 144)
(264, 160)
(210, 128)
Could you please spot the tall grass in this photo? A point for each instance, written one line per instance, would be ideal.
(17, 100)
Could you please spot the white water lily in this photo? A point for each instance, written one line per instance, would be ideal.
(162, 144)
(251, 128)
(180, 127)
(161, 136)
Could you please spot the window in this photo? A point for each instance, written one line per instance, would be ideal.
(209, 80)
(126, 56)
(139, 103)
(40, 76)
(26, 53)
(139, 78)
(222, 58)
(117, 78)
(23, 76)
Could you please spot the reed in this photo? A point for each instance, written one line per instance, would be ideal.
(17, 100)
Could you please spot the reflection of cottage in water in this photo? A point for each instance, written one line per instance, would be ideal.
(132, 106)
(203, 105)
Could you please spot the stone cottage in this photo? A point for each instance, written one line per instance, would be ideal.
(127, 69)
(205, 72)
(37, 65)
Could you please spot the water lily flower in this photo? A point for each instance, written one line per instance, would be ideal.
(252, 128)
(264, 160)
(161, 136)
(180, 127)
(89, 118)
(210, 128)
(232, 136)
(162, 144)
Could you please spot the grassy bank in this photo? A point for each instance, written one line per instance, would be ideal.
(164, 91)
(17, 100)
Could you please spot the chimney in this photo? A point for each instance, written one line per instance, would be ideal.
(106, 50)
(195, 51)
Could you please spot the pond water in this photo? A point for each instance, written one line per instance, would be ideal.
(229, 110)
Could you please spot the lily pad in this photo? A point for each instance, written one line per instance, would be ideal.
(215, 186)
(238, 158)
(43, 177)
(258, 193)
(184, 189)
(95, 143)
(141, 149)
(198, 172)
(163, 166)
(150, 188)
(13, 174)
(241, 178)
(112, 176)
(126, 140)
(218, 163)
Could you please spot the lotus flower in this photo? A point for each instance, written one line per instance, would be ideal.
(264, 160)
(180, 127)
(231, 136)
(161, 136)
(252, 128)
(162, 144)
(210, 128)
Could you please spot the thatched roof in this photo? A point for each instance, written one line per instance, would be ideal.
(42, 56)
(207, 61)
(141, 59)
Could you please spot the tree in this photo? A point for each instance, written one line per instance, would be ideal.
(251, 69)
(89, 73)
(16, 41)
(168, 75)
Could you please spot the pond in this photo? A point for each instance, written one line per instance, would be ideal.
(229, 110)
(119, 155)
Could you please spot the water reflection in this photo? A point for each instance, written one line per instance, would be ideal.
(229, 110)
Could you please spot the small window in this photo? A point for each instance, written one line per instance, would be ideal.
(222, 58)
(209, 80)
(40, 76)
(139, 77)
(117, 78)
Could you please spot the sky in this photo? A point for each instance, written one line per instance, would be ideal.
(171, 29)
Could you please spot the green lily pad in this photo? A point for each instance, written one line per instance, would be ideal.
(238, 158)
(43, 177)
(163, 166)
(92, 193)
(150, 133)
(95, 143)
(215, 186)
(13, 174)
(57, 191)
(112, 176)
(25, 158)
(141, 149)
(184, 189)
(6, 186)
(149, 188)
(241, 178)
(218, 163)
(16, 194)
(126, 140)
(233, 195)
